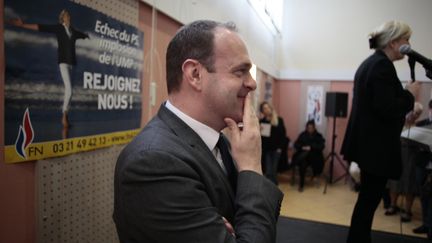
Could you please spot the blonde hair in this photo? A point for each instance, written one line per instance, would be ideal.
(387, 32)
(274, 119)
(62, 14)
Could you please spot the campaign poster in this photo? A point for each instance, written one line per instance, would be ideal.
(268, 89)
(314, 103)
(72, 79)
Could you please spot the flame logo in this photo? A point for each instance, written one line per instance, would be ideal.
(25, 135)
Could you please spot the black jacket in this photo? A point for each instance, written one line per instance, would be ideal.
(66, 44)
(315, 140)
(277, 136)
(424, 122)
(317, 143)
(377, 117)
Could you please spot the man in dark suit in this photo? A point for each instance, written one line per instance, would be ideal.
(372, 139)
(176, 181)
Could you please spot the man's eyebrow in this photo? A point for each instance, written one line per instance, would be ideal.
(247, 65)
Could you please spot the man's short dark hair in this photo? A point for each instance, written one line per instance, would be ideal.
(192, 41)
(310, 122)
(261, 107)
(430, 104)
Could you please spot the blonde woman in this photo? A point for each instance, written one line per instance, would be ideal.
(372, 138)
(273, 140)
(66, 38)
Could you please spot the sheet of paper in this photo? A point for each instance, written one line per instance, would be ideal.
(265, 129)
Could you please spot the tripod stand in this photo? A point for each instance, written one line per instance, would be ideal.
(331, 156)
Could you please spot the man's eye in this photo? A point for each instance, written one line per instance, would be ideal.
(239, 73)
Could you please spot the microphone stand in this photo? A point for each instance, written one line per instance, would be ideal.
(429, 73)
(332, 156)
(411, 63)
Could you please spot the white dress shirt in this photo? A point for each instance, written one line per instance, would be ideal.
(68, 31)
(206, 133)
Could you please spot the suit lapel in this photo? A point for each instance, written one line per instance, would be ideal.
(182, 130)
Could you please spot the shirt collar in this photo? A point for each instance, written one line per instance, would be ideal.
(206, 133)
(67, 29)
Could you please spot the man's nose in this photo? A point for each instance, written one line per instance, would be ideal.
(250, 83)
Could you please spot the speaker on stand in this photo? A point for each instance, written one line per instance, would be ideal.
(336, 106)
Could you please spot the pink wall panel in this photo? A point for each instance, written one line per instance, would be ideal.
(17, 204)
(286, 97)
(165, 30)
(145, 25)
(154, 56)
(17, 190)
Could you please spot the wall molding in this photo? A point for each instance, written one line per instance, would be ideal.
(340, 75)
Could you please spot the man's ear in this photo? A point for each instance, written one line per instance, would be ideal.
(192, 73)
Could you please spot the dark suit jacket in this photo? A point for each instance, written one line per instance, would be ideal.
(379, 107)
(424, 122)
(168, 187)
(315, 155)
(277, 136)
(66, 45)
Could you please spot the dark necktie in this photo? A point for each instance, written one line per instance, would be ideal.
(227, 161)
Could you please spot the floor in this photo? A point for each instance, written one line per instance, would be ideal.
(336, 205)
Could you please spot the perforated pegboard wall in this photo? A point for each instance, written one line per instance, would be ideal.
(123, 10)
(75, 197)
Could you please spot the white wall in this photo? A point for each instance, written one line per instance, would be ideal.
(260, 41)
(327, 40)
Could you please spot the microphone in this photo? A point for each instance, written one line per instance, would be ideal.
(406, 50)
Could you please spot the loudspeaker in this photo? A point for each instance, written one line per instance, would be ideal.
(336, 104)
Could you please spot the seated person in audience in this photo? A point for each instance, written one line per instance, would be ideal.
(309, 152)
(406, 185)
(424, 182)
(428, 120)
